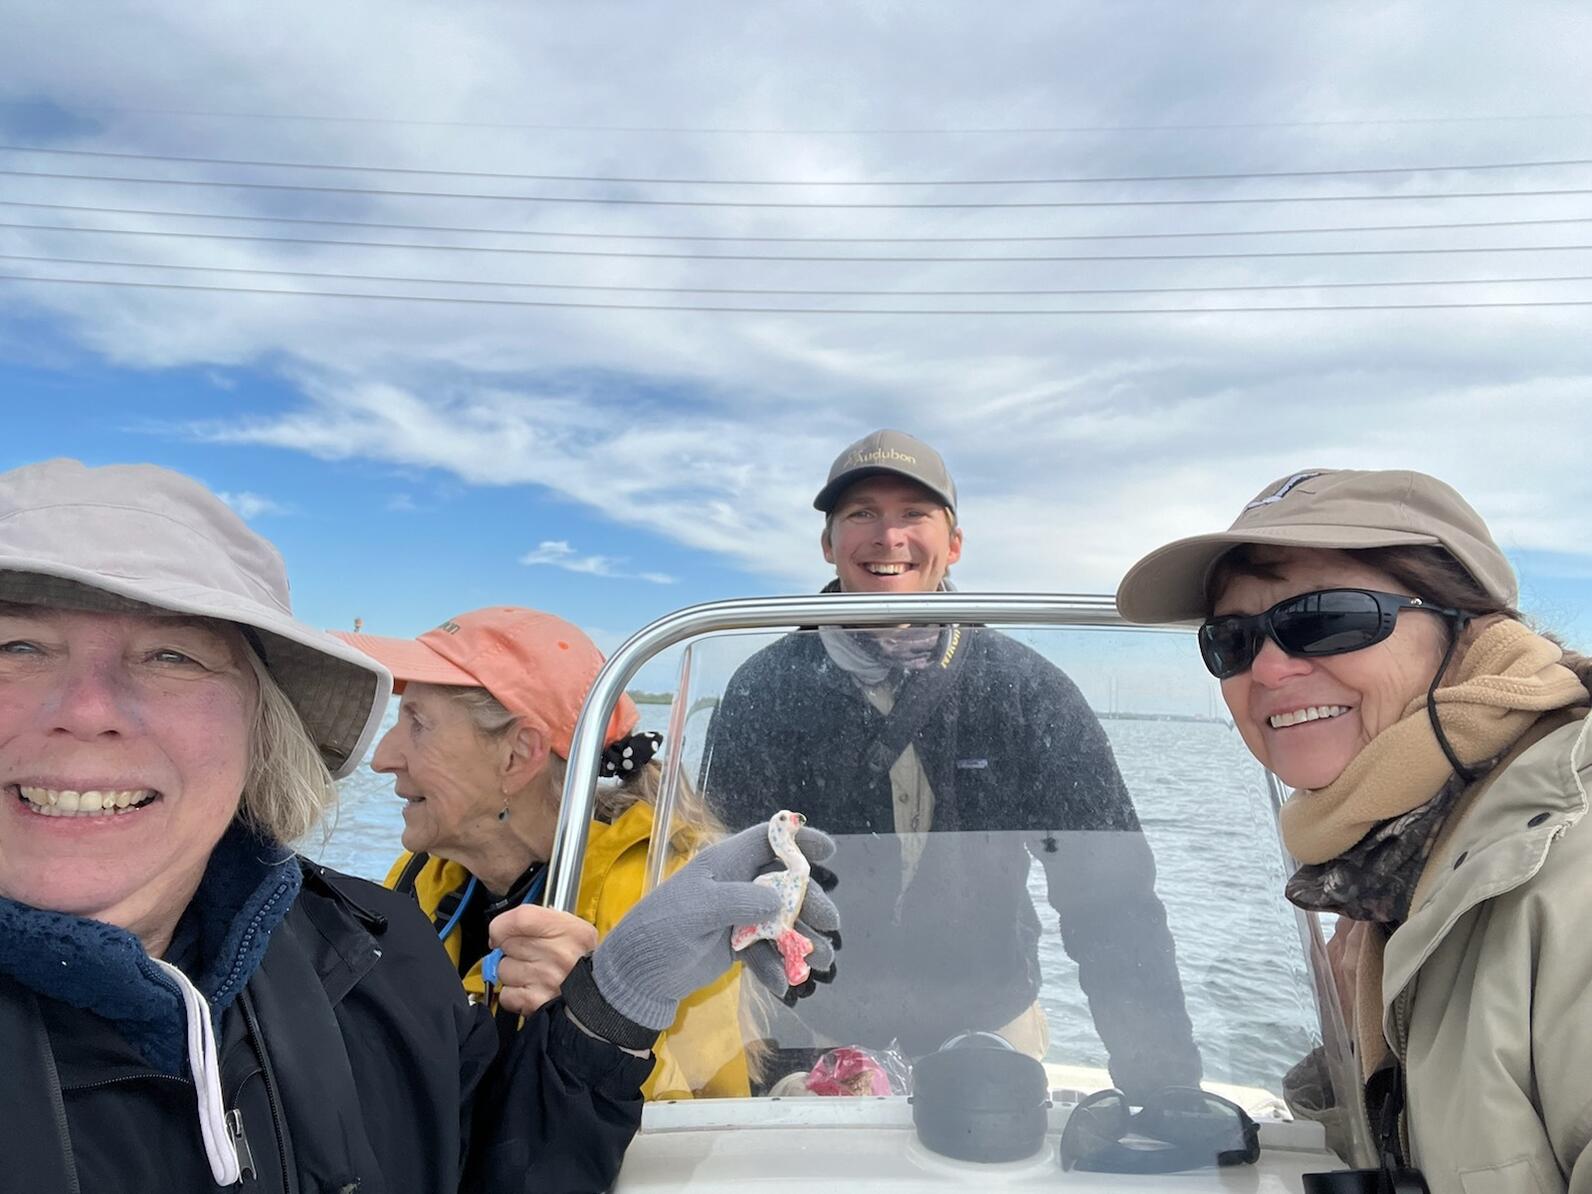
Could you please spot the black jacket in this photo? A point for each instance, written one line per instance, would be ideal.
(1020, 768)
(356, 1064)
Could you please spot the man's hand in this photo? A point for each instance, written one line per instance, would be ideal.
(540, 946)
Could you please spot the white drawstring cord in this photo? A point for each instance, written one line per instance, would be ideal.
(220, 1150)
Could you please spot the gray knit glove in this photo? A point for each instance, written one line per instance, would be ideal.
(677, 940)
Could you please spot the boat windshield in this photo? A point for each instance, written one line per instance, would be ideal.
(1049, 834)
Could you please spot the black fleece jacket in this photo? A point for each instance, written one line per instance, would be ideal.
(1020, 768)
(354, 1060)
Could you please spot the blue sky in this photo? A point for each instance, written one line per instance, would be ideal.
(408, 457)
(401, 547)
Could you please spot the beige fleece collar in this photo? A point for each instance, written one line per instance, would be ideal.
(1505, 680)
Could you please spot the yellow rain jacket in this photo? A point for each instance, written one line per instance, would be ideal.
(701, 1054)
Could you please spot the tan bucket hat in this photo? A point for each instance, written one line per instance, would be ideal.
(132, 536)
(1324, 508)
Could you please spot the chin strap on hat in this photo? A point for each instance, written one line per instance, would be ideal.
(631, 754)
(1460, 769)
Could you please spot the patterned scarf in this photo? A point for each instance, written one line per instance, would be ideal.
(884, 653)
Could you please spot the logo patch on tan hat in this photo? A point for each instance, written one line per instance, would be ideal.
(879, 456)
(1283, 490)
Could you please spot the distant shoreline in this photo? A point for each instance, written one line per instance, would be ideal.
(664, 698)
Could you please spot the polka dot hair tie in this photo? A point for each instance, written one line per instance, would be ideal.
(631, 754)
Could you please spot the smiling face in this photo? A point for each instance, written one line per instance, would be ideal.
(890, 535)
(1305, 719)
(447, 773)
(124, 746)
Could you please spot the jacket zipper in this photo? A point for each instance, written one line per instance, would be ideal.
(240, 1142)
(234, 1119)
(257, 1039)
(152, 1076)
(247, 939)
(1401, 1040)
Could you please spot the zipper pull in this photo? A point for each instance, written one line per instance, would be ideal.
(240, 1143)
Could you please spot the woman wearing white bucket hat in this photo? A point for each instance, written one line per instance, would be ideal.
(184, 1002)
(1363, 627)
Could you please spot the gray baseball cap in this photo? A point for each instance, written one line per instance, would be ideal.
(887, 451)
(137, 537)
(1346, 509)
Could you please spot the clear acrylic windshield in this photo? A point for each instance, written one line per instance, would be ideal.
(1052, 834)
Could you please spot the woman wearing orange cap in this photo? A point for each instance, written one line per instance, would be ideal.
(478, 755)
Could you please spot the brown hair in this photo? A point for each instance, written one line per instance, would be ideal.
(1429, 573)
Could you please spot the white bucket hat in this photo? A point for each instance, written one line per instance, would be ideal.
(127, 536)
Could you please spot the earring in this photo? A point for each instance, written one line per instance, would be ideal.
(503, 815)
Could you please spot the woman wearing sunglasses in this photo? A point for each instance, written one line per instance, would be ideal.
(1363, 628)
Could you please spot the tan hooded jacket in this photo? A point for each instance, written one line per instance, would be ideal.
(1487, 987)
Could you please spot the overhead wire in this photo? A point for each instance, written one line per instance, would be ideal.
(823, 205)
(747, 239)
(520, 250)
(829, 292)
(735, 310)
(642, 180)
(996, 130)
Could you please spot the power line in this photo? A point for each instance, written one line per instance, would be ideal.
(1445, 250)
(1230, 176)
(841, 292)
(614, 201)
(1209, 126)
(833, 240)
(729, 310)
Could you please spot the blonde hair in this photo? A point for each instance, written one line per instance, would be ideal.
(287, 789)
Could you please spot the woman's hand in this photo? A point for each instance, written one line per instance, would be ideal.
(540, 946)
(677, 940)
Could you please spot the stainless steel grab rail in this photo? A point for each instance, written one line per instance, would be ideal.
(772, 613)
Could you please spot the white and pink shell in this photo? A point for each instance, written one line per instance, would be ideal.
(791, 884)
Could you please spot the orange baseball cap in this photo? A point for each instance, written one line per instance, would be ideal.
(540, 668)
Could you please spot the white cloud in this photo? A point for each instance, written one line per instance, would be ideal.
(1078, 442)
(559, 554)
(252, 505)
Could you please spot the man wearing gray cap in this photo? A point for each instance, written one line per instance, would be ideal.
(946, 758)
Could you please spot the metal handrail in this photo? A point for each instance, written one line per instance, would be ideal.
(772, 613)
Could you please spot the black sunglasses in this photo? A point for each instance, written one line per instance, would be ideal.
(1179, 1128)
(1325, 622)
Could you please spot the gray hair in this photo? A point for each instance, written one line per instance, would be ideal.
(288, 789)
(693, 818)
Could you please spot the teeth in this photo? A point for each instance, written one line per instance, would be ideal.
(1280, 721)
(887, 569)
(69, 803)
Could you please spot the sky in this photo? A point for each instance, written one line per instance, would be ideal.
(413, 459)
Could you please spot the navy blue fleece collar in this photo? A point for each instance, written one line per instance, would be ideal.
(247, 889)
